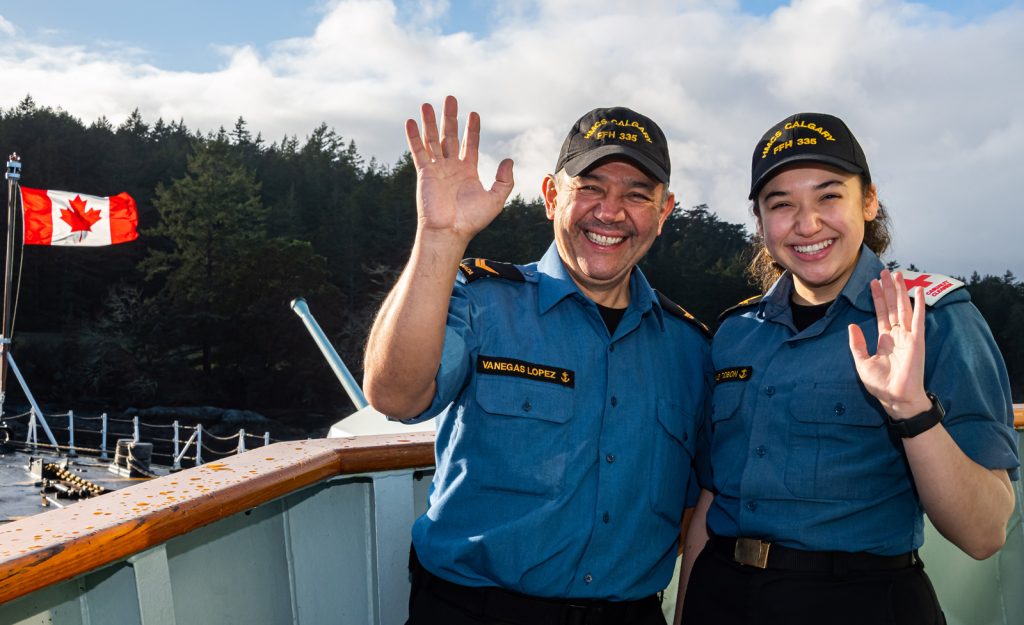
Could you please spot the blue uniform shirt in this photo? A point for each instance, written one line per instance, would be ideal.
(563, 454)
(800, 451)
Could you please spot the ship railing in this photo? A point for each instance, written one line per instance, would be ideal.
(169, 447)
(300, 532)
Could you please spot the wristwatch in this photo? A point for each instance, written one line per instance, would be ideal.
(909, 428)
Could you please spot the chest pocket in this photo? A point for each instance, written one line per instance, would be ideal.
(673, 446)
(839, 446)
(518, 442)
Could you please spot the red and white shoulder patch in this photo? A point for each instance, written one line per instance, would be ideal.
(936, 286)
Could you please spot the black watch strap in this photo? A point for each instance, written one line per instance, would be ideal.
(909, 428)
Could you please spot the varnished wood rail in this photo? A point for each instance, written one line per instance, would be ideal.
(1018, 416)
(58, 545)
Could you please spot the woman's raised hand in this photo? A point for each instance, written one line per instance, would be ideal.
(895, 374)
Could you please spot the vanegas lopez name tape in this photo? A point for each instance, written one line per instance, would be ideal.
(495, 365)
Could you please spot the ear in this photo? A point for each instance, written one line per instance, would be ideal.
(871, 203)
(549, 190)
(666, 210)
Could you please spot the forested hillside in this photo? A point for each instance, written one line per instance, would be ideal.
(195, 312)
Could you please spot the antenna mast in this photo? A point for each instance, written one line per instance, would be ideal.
(13, 177)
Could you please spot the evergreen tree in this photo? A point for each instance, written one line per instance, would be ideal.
(211, 216)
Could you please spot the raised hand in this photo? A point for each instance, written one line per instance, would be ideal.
(450, 199)
(895, 374)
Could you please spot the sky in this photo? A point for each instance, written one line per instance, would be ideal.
(932, 90)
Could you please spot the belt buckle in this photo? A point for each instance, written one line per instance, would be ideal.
(576, 614)
(751, 552)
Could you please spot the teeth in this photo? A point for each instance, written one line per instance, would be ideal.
(817, 247)
(600, 239)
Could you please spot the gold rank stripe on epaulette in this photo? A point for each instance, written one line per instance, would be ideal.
(476, 268)
(936, 286)
(676, 310)
(750, 301)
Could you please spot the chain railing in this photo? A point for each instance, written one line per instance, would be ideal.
(96, 436)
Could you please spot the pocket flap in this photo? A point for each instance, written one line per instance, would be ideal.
(725, 401)
(835, 402)
(523, 398)
(676, 421)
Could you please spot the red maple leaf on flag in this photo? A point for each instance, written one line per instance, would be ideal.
(79, 217)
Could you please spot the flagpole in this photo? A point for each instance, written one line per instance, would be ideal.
(13, 177)
(7, 329)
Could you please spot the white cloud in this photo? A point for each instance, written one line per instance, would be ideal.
(934, 100)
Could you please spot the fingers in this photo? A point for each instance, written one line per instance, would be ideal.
(503, 181)
(471, 142)
(412, 137)
(881, 309)
(432, 142)
(434, 145)
(450, 128)
(891, 298)
(904, 312)
(858, 346)
(917, 324)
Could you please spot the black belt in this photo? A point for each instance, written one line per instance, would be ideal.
(512, 607)
(764, 555)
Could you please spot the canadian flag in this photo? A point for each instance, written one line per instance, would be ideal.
(65, 218)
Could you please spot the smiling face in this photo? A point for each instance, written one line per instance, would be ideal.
(812, 219)
(605, 220)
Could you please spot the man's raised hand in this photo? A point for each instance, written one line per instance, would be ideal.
(450, 199)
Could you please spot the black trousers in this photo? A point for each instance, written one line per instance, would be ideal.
(434, 601)
(723, 592)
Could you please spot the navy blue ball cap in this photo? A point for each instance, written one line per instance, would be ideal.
(616, 131)
(814, 137)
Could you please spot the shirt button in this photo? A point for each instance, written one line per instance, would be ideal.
(761, 450)
(840, 408)
(588, 578)
(752, 505)
(769, 391)
(615, 401)
(526, 406)
(606, 517)
(610, 458)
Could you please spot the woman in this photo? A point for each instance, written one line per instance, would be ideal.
(824, 457)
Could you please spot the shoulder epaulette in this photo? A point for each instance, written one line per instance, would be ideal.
(676, 310)
(936, 286)
(750, 301)
(476, 268)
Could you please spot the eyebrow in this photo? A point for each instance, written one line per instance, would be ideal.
(643, 183)
(818, 187)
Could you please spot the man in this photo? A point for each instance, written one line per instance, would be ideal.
(567, 391)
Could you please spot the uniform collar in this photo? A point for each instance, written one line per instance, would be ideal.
(555, 284)
(856, 291)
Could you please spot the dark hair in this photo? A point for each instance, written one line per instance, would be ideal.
(764, 271)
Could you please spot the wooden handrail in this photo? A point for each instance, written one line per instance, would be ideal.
(1018, 416)
(62, 544)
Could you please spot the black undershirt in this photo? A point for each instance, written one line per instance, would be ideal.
(611, 316)
(804, 316)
